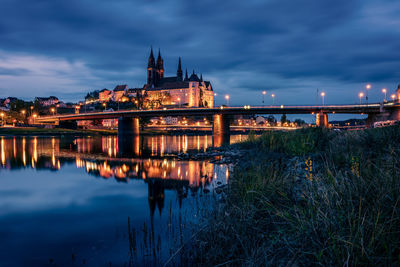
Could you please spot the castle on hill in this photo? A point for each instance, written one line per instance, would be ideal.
(185, 91)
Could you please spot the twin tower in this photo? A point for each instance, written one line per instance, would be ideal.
(155, 70)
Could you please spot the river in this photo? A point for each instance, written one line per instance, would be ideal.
(89, 201)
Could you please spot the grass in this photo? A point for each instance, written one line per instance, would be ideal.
(309, 197)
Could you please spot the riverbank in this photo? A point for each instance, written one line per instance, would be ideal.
(309, 197)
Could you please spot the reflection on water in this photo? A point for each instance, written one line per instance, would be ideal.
(136, 175)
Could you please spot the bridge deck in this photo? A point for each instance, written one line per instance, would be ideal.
(283, 109)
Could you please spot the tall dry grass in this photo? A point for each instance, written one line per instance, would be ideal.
(345, 212)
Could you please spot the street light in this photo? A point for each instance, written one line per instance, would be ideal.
(31, 107)
(368, 86)
(215, 95)
(384, 91)
(393, 96)
(104, 105)
(227, 100)
(179, 100)
(263, 93)
(360, 95)
(323, 98)
(53, 110)
(2, 118)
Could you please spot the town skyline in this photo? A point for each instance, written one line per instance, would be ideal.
(309, 46)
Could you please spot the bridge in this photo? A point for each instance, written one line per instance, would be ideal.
(128, 120)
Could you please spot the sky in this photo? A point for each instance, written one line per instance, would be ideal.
(287, 47)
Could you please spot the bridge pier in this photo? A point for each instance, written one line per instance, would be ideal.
(371, 119)
(128, 136)
(128, 126)
(322, 120)
(221, 131)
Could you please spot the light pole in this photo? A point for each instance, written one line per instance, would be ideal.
(393, 97)
(227, 100)
(360, 95)
(368, 86)
(179, 100)
(323, 98)
(263, 93)
(384, 91)
(2, 118)
(215, 95)
(53, 110)
(104, 105)
(31, 107)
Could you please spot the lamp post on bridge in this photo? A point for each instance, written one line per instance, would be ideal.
(263, 94)
(323, 98)
(227, 100)
(360, 95)
(368, 86)
(384, 91)
(273, 99)
(393, 97)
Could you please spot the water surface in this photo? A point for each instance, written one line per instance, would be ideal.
(90, 201)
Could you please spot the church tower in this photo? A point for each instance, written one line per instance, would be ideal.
(179, 73)
(151, 69)
(159, 68)
(186, 76)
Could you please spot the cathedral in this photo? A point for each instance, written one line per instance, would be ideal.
(176, 90)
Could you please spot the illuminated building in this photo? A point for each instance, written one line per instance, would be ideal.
(175, 90)
(105, 95)
(119, 91)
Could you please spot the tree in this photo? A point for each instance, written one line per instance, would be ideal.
(271, 119)
(283, 118)
(299, 122)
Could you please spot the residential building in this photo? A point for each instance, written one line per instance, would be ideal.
(119, 91)
(105, 95)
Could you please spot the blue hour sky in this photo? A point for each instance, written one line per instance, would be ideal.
(286, 47)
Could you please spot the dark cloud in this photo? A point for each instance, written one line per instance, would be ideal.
(288, 45)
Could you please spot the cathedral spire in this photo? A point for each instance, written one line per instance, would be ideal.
(186, 76)
(179, 73)
(159, 67)
(151, 72)
(151, 59)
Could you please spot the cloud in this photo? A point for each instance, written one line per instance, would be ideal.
(284, 44)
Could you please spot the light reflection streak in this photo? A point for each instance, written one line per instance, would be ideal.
(46, 153)
(3, 153)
